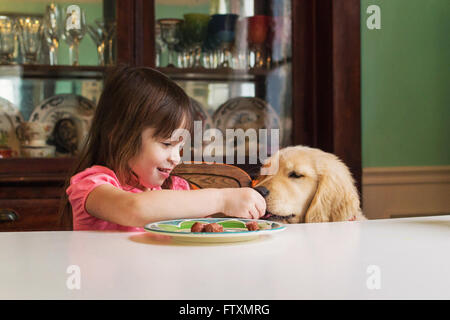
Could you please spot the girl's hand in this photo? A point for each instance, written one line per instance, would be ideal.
(243, 203)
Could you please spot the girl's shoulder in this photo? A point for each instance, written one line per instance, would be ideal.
(82, 183)
(94, 171)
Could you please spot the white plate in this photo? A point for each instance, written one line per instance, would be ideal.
(246, 113)
(10, 118)
(201, 114)
(65, 106)
(234, 229)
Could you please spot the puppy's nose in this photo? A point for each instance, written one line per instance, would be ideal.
(262, 190)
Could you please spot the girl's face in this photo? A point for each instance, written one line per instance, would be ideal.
(156, 159)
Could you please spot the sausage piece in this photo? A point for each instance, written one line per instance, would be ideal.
(198, 227)
(252, 226)
(213, 227)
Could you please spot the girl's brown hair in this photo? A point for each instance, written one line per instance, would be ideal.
(133, 99)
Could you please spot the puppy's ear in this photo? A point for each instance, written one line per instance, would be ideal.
(336, 199)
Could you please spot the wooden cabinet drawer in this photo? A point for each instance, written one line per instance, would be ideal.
(33, 215)
(30, 191)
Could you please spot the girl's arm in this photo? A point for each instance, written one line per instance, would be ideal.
(137, 209)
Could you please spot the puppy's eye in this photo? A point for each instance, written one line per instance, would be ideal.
(295, 175)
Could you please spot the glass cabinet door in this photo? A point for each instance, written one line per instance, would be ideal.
(233, 58)
(53, 55)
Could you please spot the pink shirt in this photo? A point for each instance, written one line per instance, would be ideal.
(85, 181)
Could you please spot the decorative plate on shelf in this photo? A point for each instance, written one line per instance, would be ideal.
(246, 113)
(201, 114)
(10, 118)
(66, 119)
(234, 229)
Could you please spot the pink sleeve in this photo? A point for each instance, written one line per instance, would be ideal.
(179, 184)
(82, 184)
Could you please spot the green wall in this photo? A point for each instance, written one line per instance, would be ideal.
(405, 82)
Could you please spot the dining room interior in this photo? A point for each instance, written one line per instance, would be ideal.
(325, 122)
(376, 97)
(372, 90)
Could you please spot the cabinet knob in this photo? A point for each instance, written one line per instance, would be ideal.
(8, 215)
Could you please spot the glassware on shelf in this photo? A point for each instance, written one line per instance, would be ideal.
(159, 45)
(7, 39)
(258, 29)
(74, 30)
(52, 31)
(170, 36)
(196, 27)
(102, 34)
(211, 48)
(99, 38)
(183, 47)
(210, 57)
(109, 29)
(220, 6)
(240, 52)
(221, 35)
(30, 35)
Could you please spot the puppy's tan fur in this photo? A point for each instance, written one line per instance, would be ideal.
(310, 185)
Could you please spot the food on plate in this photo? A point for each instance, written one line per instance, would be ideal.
(265, 226)
(198, 227)
(203, 227)
(252, 226)
(213, 227)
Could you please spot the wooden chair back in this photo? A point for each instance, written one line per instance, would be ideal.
(212, 175)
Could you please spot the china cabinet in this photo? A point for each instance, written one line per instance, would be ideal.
(308, 81)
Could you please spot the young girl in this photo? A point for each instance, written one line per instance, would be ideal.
(123, 180)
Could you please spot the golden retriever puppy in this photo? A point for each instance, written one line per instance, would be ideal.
(308, 185)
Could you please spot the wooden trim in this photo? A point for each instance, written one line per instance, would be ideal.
(145, 35)
(395, 192)
(33, 215)
(326, 105)
(40, 71)
(406, 175)
(125, 31)
(303, 73)
(212, 170)
(213, 180)
(347, 84)
(19, 167)
(323, 68)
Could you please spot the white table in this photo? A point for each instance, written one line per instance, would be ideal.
(379, 259)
